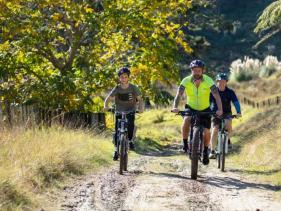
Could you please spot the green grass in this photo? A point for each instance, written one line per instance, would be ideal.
(257, 146)
(157, 129)
(257, 142)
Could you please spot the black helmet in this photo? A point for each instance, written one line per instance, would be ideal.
(197, 63)
(123, 70)
(222, 76)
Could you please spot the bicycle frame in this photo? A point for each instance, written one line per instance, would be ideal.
(196, 143)
(222, 146)
(223, 133)
(122, 142)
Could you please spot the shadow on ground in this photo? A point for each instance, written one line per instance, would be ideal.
(149, 147)
(232, 183)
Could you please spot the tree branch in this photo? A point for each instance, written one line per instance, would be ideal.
(75, 45)
(51, 57)
(266, 37)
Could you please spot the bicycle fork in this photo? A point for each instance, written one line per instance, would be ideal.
(221, 137)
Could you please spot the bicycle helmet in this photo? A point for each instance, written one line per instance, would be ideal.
(222, 76)
(197, 63)
(123, 70)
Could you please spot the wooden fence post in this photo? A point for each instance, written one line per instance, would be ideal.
(8, 112)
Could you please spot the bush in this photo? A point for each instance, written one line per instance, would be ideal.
(266, 71)
(248, 69)
(243, 76)
(11, 197)
(163, 98)
(244, 70)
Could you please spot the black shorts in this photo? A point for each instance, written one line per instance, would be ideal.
(205, 119)
(217, 121)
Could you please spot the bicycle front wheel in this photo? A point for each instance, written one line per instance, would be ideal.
(122, 154)
(126, 155)
(194, 153)
(223, 152)
(219, 150)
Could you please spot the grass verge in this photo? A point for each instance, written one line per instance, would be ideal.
(257, 146)
(34, 160)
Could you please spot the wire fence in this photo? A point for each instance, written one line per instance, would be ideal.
(273, 101)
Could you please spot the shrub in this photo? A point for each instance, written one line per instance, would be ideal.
(266, 71)
(244, 70)
(248, 69)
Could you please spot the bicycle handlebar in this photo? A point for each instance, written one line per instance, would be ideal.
(192, 113)
(236, 116)
(112, 110)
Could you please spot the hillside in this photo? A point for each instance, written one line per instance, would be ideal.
(257, 145)
(232, 37)
(259, 89)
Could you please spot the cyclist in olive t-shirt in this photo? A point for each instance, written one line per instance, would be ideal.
(198, 87)
(127, 97)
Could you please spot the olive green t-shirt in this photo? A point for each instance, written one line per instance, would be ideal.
(125, 99)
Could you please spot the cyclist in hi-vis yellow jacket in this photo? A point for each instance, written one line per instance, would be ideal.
(198, 88)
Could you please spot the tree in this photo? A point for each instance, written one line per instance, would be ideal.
(269, 22)
(65, 52)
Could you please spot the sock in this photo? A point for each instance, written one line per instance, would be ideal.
(206, 149)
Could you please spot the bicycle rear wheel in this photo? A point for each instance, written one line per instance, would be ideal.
(122, 153)
(194, 153)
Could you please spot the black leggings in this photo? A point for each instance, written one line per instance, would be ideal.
(131, 126)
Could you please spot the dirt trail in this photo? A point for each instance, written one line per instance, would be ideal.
(161, 181)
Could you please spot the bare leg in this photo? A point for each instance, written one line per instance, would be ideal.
(185, 127)
(214, 137)
(228, 126)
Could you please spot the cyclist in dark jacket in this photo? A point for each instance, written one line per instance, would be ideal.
(227, 96)
(127, 98)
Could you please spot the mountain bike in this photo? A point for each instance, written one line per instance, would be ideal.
(222, 146)
(196, 142)
(122, 138)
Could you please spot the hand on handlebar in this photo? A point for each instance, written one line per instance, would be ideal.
(175, 110)
(238, 115)
(219, 113)
(106, 108)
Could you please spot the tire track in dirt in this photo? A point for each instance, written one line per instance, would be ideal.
(161, 181)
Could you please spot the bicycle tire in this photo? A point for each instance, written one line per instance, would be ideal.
(126, 156)
(223, 153)
(219, 160)
(218, 156)
(122, 153)
(194, 153)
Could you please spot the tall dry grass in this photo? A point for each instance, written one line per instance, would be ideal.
(33, 160)
(248, 68)
(257, 145)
